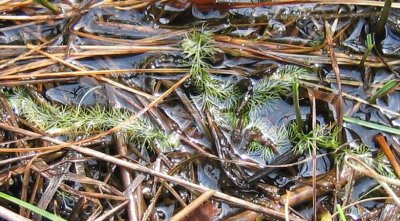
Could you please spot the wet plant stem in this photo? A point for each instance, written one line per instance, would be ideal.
(296, 104)
(335, 67)
(380, 139)
(54, 119)
(52, 7)
(380, 30)
(137, 167)
(341, 213)
(370, 46)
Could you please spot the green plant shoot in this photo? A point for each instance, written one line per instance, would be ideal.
(31, 207)
(370, 46)
(387, 88)
(60, 120)
(371, 125)
(341, 213)
(52, 7)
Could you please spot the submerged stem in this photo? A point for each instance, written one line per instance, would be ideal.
(296, 104)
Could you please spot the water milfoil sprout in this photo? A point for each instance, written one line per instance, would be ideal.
(259, 148)
(359, 150)
(198, 47)
(377, 161)
(266, 91)
(289, 73)
(226, 101)
(270, 138)
(60, 119)
(382, 165)
(321, 135)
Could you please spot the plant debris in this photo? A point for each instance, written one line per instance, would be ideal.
(199, 110)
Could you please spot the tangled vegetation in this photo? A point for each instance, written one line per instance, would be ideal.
(199, 110)
(85, 120)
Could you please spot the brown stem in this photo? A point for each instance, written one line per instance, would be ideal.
(326, 184)
(380, 139)
(136, 167)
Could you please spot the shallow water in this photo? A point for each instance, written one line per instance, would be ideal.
(253, 43)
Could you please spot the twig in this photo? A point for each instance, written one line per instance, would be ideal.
(362, 167)
(230, 5)
(112, 211)
(11, 216)
(349, 96)
(143, 169)
(305, 193)
(380, 139)
(335, 67)
(95, 72)
(83, 69)
(193, 205)
(127, 181)
(314, 153)
(287, 206)
(38, 17)
(359, 202)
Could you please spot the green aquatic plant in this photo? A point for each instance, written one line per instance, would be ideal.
(321, 135)
(228, 103)
(258, 148)
(370, 46)
(296, 104)
(31, 207)
(341, 212)
(289, 73)
(360, 150)
(62, 119)
(316, 42)
(382, 165)
(379, 162)
(289, 76)
(375, 126)
(387, 88)
(272, 137)
(266, 91)
(52, 7)
(198, 47)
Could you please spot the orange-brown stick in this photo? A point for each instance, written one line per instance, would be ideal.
(380, 139)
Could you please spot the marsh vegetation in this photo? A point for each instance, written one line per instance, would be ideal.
(199, 110)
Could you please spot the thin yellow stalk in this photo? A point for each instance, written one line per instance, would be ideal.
(23, 55)
(352, 97)
(98, 77)
(95, 72)
(143, 169)
(359, 166)
(37, 17)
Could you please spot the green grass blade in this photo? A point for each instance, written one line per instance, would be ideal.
(370, 46)
(341, 213)
(31, 207)
(384, 90)
(372, 125)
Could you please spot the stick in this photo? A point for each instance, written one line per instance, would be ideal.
(193, 205)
